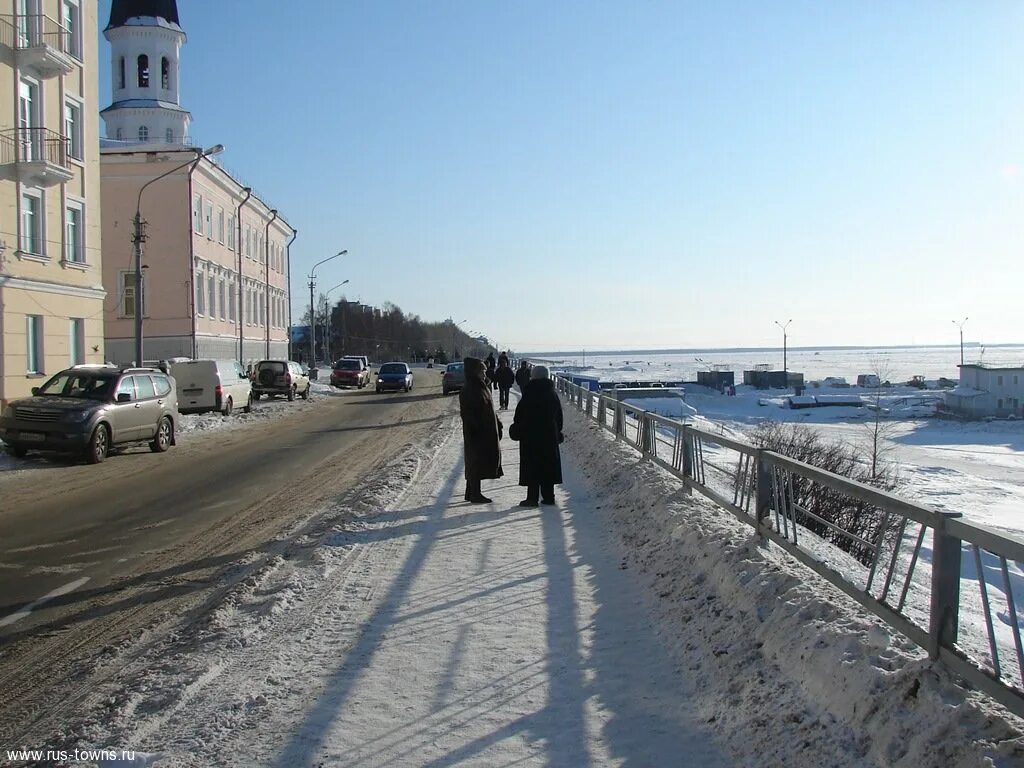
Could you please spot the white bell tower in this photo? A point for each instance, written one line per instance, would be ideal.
(145, 40)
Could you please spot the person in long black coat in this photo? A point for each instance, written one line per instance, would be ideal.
(523, 375)
(505, 377)
(481, 430)
(537, 426)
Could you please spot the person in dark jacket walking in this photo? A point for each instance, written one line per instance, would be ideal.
(523, 375)
(481, 430)
(505, 378)
(538, 428)
(490, 368)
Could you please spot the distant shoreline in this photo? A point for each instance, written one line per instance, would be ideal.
(689, 350)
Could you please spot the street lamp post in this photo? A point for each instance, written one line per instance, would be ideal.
(455, 328)
(139, 237)
(961, 325)
(266, 277)
(328, 313)
(241, 278)
(785, 362)
(312, 306)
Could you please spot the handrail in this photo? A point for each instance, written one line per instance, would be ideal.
(969, 562)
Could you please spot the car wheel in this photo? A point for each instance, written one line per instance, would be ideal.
(291, 393)
(99, 445)
(379, 390)
(19, 451)
(256, 396)
(247, 408)
(229, 406)
(164, 435)
(305, 395)
(407, 387)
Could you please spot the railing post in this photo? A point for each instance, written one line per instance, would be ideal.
(687, 439)
(645, 434)
(763, 503)
(619, 419)
(944, 621)
(602, 411)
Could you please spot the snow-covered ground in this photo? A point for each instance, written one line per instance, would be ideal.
(631, 625)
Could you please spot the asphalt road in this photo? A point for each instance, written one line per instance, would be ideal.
(93, 555)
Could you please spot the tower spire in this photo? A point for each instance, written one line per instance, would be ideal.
(123, 10)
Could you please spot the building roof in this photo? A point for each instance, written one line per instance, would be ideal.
(992, 367)
(123, 10)
(144, 104)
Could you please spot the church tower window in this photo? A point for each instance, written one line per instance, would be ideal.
(165, 74)
(120, 79)
(143, 71)
(143, 133)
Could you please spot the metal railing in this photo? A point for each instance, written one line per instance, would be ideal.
(34, 31)
(26, 145)
(914, 567)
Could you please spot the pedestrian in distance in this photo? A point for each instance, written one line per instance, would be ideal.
(505, 377)
(523, 375)
(481, 430)
(490, 370)
(537, 426)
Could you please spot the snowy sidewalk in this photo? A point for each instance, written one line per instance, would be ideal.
(504, 635)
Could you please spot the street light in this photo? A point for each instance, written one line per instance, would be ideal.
(312, 307)
(328, 313)
(139, 237)
(961, 325)
(455, 327)
(785, 365)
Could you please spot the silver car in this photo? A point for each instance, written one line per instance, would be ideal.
(89, 409)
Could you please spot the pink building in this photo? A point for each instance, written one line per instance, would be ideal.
(215, 256)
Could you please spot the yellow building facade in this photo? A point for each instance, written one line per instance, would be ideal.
(51, 276)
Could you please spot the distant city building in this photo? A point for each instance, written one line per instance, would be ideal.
(762, 379)
(986, 390)
(51, 291)
(216, 277)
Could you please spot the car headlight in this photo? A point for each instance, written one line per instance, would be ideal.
(79, 415)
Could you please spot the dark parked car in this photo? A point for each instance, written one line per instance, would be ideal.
(393, 377)
(454, 378)
(88, 409)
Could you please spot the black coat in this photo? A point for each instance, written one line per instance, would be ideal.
(480, 425)
(523, 377)
(538, 427)
(504, 376)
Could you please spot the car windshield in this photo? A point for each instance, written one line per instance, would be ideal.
(393, 368)
(348, 365)
(87, 386)
(455, 367)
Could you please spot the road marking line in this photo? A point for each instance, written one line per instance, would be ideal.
(15, 617)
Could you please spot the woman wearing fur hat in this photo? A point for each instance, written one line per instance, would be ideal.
(481, 430)
(538, 428)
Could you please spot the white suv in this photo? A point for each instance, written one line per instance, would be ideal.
(279, 377)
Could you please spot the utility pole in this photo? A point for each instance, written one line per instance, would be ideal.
(785, 366)
(961, 325)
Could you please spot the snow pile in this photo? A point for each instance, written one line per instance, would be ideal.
(786, 662)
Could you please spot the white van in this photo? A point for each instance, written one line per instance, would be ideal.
(212, 385)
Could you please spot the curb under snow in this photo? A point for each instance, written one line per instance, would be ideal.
(784, 662)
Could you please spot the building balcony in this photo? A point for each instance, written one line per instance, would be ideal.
(35, 156)
(40, 43)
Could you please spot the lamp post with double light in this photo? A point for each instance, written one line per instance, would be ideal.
(139, 237)
(312, 307)
(785, 362)
(960, 324)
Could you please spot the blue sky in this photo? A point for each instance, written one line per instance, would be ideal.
(634, 174)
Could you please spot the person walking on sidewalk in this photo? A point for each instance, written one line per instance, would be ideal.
(523, 375)
(505, 378)
(489, 364)
(481, 430)
(537, 426)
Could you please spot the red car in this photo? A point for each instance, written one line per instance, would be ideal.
(349, 373)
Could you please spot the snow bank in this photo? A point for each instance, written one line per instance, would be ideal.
(769, 636)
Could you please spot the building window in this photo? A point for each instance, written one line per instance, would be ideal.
(120, 77)
(220, 226)
(263, 308)
(34, 343)
(32, 223)
(208, 221)
(223, 301)
(211, 286)
(73, 28)
(165, 73)
(248, 241)
(999, 383)
(143, 133)
(76, 340)
(197, 214)
(169, 136)
(231, 233)
(231, 301)
(120, 134)
(143, 65)
(200, 294)
(74, 241)
(73, 129)
(128, 294)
